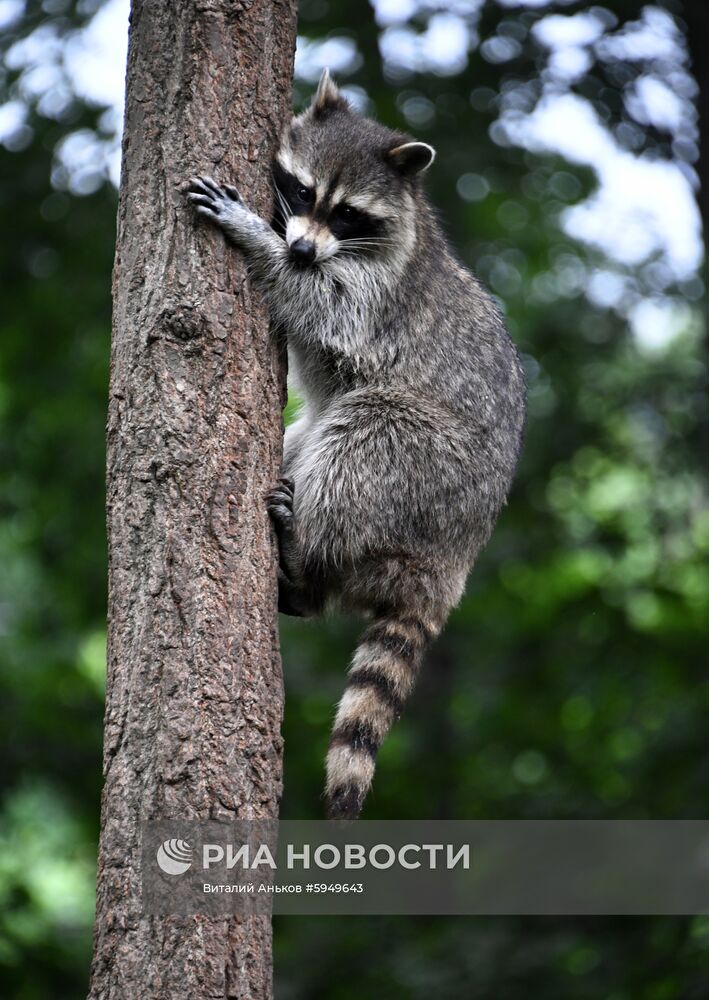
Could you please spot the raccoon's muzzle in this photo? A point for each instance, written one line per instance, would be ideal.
(303, 251)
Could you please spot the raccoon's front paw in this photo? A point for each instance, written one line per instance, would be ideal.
(279, 502)
(219, 203)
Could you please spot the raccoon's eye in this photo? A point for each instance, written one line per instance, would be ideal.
(304, 194)
(346, 213)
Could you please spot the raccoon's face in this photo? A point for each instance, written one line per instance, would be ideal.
(345, 186)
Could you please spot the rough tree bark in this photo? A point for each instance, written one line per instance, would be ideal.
(194, 698)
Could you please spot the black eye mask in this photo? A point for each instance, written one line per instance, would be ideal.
(348, 223)
(297, 197)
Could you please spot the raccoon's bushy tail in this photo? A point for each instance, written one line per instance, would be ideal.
(381, 677)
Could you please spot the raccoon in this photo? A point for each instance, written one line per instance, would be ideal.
(404, 451)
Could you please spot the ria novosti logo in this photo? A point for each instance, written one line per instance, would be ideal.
(174, 857)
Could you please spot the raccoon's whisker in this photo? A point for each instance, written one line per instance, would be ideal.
(365, 246)
(365, 239)
(356, 250)
(280, 195)
(353, 250)
(284, 212)
(285, 207)
(366, 243)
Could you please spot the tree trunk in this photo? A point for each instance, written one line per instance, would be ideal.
(194, 699)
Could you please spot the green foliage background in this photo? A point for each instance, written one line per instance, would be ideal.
(572, 680)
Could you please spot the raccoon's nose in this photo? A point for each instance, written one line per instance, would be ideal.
(302, 251)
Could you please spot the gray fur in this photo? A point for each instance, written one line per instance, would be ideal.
(406, 446)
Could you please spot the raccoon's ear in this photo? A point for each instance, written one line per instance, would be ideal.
(412, 157)
(327, 96)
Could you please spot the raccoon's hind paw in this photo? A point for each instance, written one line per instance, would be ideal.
(211, 199)
(279, 502)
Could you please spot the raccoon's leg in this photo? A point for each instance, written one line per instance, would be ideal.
(367, 509)
(292, 596)
(223, 206)
(280, 506)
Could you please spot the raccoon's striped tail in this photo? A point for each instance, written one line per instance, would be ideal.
(381, 677)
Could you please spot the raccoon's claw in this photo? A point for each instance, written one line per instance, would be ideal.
(209, 198)
(279, 502)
